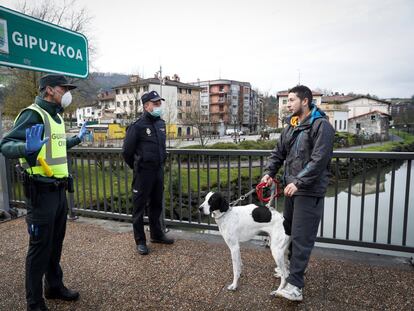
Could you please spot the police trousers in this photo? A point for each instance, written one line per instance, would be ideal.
(46, 221)
(147, 192)
(302, 216)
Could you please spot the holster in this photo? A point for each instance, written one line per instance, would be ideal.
(29, 188)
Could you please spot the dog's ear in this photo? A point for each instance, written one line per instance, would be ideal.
(218, 202)
(224, 206)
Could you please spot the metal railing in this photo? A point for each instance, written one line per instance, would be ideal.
(368, 203)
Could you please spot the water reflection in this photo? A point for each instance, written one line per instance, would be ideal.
(364, 207)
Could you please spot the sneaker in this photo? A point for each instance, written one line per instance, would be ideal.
(290, 292)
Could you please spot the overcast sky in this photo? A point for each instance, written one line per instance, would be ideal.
(362, 46)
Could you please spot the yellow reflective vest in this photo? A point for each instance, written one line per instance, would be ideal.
(54, 151)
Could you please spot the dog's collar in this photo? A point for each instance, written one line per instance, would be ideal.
(222, 214)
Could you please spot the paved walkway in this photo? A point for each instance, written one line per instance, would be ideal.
(101, 262)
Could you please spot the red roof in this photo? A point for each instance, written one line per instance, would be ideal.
(371, 112)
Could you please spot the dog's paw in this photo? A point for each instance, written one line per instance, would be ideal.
(232, 287)
(278, 273)
(273, 293)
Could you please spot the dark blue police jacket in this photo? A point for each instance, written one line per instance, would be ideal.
(144, 144)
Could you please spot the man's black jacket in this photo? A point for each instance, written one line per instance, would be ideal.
(306, 152)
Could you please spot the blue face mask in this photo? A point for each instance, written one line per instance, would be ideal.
(156, 112)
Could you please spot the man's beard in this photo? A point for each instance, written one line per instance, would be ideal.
(298, 112)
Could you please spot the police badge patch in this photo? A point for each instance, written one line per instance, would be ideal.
(148, 131)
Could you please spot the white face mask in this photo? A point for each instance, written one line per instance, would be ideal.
(66, 99)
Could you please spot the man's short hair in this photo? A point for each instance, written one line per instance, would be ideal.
(302, 92)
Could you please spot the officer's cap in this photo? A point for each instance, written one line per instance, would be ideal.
(54, 80)
(151, 96)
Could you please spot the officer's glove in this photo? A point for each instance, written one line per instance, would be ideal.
(34, 140)
(82, 131)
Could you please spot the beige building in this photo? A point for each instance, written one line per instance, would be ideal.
(180, 99)
(336, 112)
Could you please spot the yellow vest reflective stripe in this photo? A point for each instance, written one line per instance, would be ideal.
(54, 151)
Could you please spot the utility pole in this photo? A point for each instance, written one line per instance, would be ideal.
(160, 81)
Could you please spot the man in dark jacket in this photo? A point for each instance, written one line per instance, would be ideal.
(305, 149)
(39, 140)
(144, 151)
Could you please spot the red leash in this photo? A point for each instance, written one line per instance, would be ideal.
(263, 185)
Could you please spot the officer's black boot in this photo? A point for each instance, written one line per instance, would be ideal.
(142, 249)
(38, 307)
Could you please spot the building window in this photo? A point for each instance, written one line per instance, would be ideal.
(124, 91)
(188, 103)
(221, 108)
(125, 103)
(336, 125)
(340, 124)
(179, 103)
(373, 117)
(118, 104)
(131, 90)
(189, 91)
(88, 110)
(131, 102)
(180, 90)
(221, 88)
(137, 102)
(117, 91)
(179, 116)
(146, 88)
(358, 126)
(344, 124)
(284, 102)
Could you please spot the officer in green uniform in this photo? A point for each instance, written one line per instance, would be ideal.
(39, 140)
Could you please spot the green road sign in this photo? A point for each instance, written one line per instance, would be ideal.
(30, 43)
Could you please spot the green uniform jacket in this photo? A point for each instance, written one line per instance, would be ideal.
(13, 144)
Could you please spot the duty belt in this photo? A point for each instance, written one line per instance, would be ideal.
(52, 186)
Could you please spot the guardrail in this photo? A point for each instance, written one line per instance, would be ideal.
(368, 203)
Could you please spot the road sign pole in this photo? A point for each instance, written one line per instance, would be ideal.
(4, 190)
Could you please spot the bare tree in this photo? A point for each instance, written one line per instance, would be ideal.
(192, 116)
(23, 85)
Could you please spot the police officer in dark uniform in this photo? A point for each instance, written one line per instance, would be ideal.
(39, 140)
(144, 151)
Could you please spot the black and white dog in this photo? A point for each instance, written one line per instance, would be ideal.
(241, 223)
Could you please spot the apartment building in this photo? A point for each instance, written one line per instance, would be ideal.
(228, 104)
